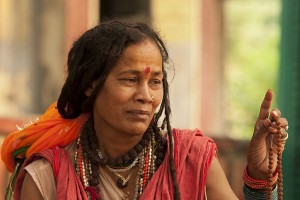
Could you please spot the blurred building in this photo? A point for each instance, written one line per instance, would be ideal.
(35, 37)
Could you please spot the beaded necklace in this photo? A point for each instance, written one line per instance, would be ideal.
(84, 171)
(147, 166)
(146, 169)
(127, 158)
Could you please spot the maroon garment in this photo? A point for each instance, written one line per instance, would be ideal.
(193, 153)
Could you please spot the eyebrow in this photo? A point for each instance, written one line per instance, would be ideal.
(136, 72)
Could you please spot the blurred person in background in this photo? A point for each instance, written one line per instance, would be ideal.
(109, 134)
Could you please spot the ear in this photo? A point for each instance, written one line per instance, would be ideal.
(91, 89)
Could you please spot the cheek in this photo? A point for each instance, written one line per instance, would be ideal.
(158, 98)
(114, 99)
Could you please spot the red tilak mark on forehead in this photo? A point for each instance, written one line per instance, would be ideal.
(147, 70)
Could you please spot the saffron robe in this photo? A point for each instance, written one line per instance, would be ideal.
(193, 153)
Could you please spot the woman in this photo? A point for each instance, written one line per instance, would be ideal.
(109, 135)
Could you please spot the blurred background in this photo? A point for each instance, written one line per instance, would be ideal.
(226, 55)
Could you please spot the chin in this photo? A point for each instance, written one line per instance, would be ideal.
(138, 129)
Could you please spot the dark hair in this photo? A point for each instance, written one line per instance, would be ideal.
(91, 59)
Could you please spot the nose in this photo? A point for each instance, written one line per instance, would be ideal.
(144, 94)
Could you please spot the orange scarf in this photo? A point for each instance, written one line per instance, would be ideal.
(49, 131)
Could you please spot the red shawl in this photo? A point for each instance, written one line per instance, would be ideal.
(68, 185)
(193, 155)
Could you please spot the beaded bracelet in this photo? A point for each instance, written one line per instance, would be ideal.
(251, 194)
(258, 184)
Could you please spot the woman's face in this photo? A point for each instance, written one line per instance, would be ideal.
(132, 91)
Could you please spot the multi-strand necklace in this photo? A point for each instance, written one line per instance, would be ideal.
(146, 169)
(84, 171)
(149, 154)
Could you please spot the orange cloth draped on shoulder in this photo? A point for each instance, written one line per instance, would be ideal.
(49, 131)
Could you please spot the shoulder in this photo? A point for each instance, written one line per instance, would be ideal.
(191, 136)
(43, 168)
(42, 174)
(193, 145)
(193, 154)
(42, 163)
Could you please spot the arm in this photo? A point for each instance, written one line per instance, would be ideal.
(30, 189)
(217, 186)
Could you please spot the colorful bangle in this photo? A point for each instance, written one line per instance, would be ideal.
(251, 194)
(258, 184)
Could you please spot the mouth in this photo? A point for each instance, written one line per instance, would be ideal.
(139, 114)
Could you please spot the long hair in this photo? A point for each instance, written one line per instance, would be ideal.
(91, 59)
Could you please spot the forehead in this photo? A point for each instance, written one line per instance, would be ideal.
(146, 49)
(143, 55)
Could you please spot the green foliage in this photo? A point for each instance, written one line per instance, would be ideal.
(251, 60)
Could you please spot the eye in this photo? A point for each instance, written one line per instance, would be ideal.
(155, 83)
(129, 81)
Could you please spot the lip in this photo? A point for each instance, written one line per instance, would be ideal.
(139, 114)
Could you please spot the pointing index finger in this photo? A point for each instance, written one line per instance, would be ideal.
(265, 106)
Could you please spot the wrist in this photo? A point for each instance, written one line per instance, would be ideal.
(259, 184)
(255, 174)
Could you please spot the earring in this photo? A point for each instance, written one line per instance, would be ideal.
(152, 97)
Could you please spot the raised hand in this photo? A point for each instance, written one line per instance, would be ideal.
(267, 126)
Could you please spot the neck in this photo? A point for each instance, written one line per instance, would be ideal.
(115, 144)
